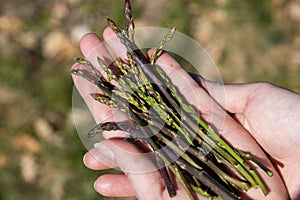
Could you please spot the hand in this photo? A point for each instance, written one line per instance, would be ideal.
(257, 108)
(272, 116)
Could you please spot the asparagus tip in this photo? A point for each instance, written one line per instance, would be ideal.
(74, 71)
(270, 173)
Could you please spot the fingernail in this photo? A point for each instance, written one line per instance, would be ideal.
(95, 185)
(84, 160)
(104, 150)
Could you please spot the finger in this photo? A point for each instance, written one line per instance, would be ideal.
(119, 185)
(92, 47)
(101, 157)
(141, 171)
(114, 185)
(114, 43)
(100, 112)
(97, 159)
(237, 95)
(86, 88)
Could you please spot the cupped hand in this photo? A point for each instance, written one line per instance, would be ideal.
(252, 116)
(271, 115)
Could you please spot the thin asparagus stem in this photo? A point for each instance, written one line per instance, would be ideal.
(248, 156)
(170, 186)
(208, 180)
(159, 48)
(129, 21)
(197, 187)
(176, 170)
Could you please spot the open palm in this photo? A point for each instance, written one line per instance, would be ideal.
(261, 115)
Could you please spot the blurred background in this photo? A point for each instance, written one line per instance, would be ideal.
(40, 151)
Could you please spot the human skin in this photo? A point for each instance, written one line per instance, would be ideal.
(257, 117)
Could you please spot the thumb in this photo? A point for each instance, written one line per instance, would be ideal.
(233, 97)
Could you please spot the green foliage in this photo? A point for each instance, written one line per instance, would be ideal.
(256, 11)
(177, 14)
(10, 72)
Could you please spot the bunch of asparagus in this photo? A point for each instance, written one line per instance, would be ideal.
(145, 93)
